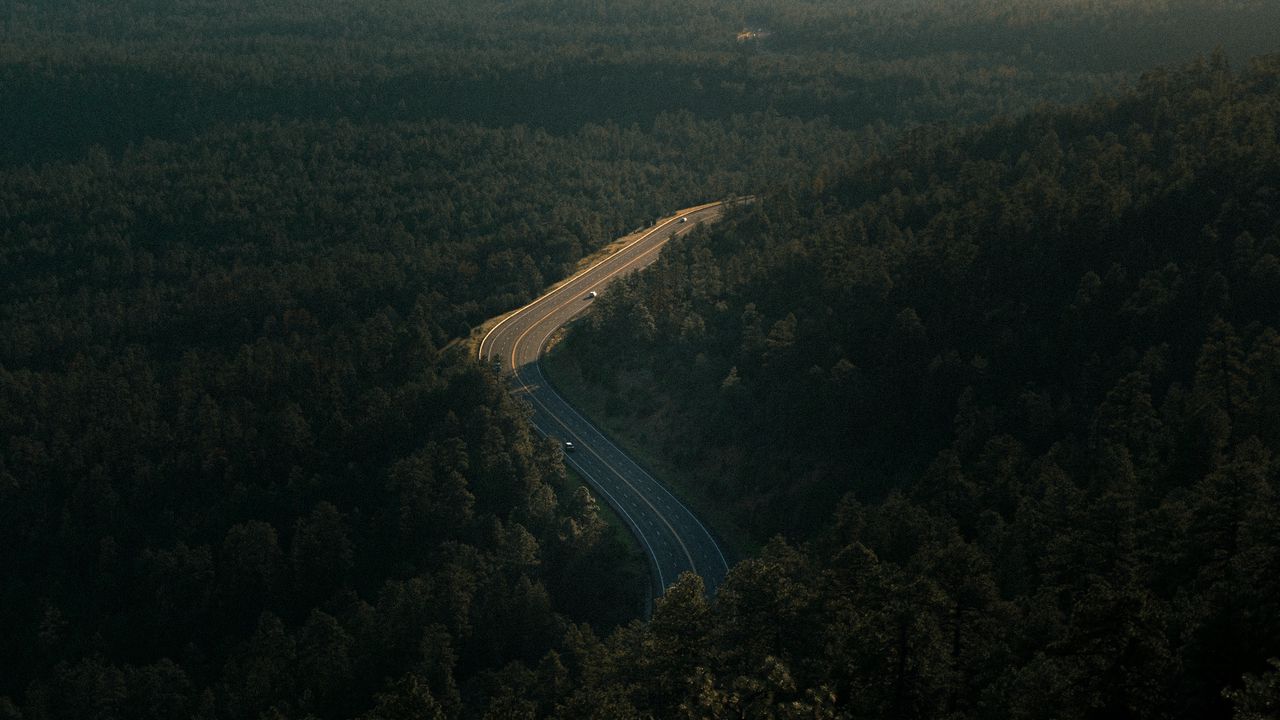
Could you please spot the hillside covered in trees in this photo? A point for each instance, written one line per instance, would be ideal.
(248, 470)
(1035, 366)
(242, 466)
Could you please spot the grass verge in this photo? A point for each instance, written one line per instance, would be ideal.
(629, 567)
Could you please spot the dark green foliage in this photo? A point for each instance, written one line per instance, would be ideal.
(240, 474)
(1032, 358)
(77, 74)
(246, 469)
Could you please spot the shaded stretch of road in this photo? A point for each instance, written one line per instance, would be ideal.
(673, 538)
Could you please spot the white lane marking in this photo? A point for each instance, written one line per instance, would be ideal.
(620, 476)
(480, 350)
(662, 584)
(625, 264)
(618, 454)
(643, 474)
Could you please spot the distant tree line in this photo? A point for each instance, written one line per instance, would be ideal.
(76, 74)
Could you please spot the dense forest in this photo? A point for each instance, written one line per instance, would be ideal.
(248, 468)
(1035, 366)
(243, 468)
(234, 404)
(77, 73)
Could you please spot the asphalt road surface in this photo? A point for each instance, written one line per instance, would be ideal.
(673, 538)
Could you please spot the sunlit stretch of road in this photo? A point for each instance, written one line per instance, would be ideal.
(673, 538)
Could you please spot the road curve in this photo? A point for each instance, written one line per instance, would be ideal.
(673, 538)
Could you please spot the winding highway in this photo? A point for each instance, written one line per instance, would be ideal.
(674, 540)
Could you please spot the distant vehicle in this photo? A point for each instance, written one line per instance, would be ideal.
(591, 295)
(684, 219)
(569, 447)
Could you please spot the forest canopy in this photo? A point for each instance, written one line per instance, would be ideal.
(1035, 367)
(78, 74)
(1023, 346)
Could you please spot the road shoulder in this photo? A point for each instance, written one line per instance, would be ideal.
(561, 370)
